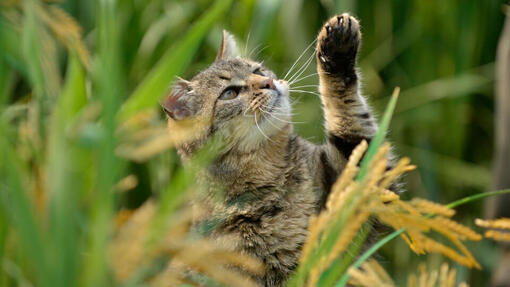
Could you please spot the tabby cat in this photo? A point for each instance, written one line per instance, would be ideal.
(272, 180)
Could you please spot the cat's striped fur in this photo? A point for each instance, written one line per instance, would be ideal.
(270, 180)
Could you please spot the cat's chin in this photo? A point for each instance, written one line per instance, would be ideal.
(269, 126)
(266, 131)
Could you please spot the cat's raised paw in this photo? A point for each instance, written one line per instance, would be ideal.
(338, 43)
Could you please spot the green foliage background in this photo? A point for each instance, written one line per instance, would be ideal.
(441, 54)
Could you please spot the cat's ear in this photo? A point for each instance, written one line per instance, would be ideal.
(174, 104)
(228, 47)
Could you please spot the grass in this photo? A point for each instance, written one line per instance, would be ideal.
(74, 73)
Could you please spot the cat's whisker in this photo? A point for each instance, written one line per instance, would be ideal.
(257, 53)
(303, 68)
(296, 100)
(305, 86)
(253, 50)
(275, 110)
(258, 127)
(302, 78)
(260, 51)
(269, 119)
(300, 56)
(269, 109)
(300, 90)
(305, 92)
(247, 41)
(277, 113)
(271, 114)
(284, 121)
(274, 113)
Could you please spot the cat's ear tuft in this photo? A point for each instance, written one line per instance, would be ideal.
(173, 105)
(228, 47)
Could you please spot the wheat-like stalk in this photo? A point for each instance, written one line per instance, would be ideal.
(140, 140)
(133, 248)
(372, 274)
(370, 197)
(67, 30)
(502, 224)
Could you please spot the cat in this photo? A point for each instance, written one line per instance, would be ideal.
(272, 180)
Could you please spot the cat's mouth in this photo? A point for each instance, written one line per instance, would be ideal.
(281, 90)
(268, 100)
(271, 109)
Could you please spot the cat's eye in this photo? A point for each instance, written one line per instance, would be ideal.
(230, 93)
(258, 71)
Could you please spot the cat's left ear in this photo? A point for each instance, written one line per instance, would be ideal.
(228, 47)
(175, 104)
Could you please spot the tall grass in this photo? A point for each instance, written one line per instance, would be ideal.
(79, 87)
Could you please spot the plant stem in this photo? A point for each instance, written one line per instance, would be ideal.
(476, 197)
(396, 233)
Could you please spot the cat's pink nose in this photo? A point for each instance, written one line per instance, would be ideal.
(267, 84)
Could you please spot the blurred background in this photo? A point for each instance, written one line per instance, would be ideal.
(441, 54)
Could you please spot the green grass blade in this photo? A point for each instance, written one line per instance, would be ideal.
(341, 264)
(372, 250)
(31, 52)
(380, 135)
(109, 89)
(3, 235)
(181, 181)
(18, 210)
(477, 197)
(367, 254)
(11, 47)
(65, 183)
(148, 93)
(6, 82)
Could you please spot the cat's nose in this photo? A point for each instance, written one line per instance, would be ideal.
(267, 84)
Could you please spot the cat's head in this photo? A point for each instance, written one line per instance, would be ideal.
(237, 98)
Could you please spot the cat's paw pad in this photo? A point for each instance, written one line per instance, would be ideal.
(338, 41)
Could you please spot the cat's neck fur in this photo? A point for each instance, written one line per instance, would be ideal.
(239, 169)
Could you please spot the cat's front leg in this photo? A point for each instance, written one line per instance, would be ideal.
(348, 119)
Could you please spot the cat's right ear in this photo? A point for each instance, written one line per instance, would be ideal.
(228, 47)
(173, 105)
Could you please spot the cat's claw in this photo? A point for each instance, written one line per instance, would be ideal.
(338, 43)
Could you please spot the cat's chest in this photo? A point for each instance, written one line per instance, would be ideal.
(259, 220)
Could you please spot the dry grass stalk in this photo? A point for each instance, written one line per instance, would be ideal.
(126, 183)
(141, 140)
(132, 249)
(503, 224)
(371, 197)
(340, 192)
(426, 206)
(348, 234)
(128, 248)
(67, 30)
(497, 235)
(372, 274)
